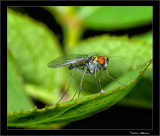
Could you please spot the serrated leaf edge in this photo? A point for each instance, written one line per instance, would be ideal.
(80, 101)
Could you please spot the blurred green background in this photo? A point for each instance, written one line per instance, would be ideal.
(37, 35)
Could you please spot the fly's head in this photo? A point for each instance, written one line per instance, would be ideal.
(103, 61)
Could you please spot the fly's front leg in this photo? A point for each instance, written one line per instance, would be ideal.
(113, 78)
(95, 76)
(102, 91)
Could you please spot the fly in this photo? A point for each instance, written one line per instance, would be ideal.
(88, 64)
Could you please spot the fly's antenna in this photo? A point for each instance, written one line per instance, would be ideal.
(124, 59)
(113, 78)
(115, 56)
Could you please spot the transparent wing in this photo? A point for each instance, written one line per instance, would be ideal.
(66, 60)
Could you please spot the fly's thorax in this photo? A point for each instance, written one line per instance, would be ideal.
(93, 64)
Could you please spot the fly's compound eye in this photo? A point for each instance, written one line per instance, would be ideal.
(107, 58)
(101, 60)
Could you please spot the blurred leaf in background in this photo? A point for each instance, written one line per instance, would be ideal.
(146, 37)
(32, 45)
(75, 20)
(17, 99)
(115, 17)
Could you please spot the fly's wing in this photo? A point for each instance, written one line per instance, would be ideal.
(66, 60)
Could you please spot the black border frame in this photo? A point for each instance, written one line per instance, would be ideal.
(3, 93)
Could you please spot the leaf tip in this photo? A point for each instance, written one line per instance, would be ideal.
(35, 107)
(46, 106)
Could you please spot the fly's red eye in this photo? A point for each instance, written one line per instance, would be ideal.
(101, 60)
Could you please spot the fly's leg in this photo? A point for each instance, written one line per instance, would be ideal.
(75, 93)
(102, 91)
(82, 80)
(96, 78)
(113, 78)
(80, 86)
(67, 88)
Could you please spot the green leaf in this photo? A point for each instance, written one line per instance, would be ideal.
(71, 111)
(115, 17)
(74, 20)
(16, 97)
(33, 45)
(141, 96)
(126, 55)
(67, 17)
(147, 37)
(104, 17)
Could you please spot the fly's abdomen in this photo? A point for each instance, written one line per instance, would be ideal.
(78, 64)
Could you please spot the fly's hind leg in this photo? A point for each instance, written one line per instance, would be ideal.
(80, 85)
(75, 93)
(67, 88)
